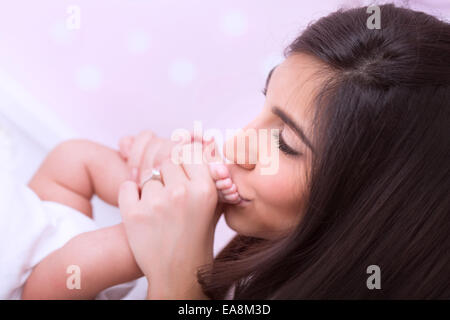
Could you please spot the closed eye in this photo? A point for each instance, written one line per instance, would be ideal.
(282, 145)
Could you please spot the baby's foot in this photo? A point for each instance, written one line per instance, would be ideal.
(226, 188)
(125, 145)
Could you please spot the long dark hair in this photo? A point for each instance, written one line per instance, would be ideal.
(379, 189)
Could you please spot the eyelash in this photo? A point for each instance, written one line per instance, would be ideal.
(281, 144)
(264, 91)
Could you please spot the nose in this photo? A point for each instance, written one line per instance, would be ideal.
(242, 149)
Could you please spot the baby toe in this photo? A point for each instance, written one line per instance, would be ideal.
(231, 197)
(229, 190)
(224, 184)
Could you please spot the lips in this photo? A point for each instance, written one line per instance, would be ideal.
(243, 202)
(242, 198)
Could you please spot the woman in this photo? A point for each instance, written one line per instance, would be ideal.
(363, 179)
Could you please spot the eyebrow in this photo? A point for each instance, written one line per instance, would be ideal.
(291, 124)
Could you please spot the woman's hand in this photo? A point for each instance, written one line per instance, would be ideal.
(170, 226)
(144, 151)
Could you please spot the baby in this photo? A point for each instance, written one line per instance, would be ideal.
(71, 174)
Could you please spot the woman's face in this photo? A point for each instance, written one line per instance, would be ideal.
(276, 200)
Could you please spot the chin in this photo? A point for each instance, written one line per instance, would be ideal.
(243, 222)
(238, 219)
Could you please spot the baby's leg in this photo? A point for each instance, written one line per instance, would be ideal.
(76, 170)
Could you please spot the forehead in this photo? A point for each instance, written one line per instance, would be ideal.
(294, 84)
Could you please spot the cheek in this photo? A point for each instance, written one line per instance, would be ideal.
(276, 206)
(278, 200)
(275, 190)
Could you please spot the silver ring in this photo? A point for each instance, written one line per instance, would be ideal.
(155, 175)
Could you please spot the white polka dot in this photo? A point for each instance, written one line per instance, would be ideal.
(182, 71)
(234, 23)
(88, 78)
(138, 42)
(269, 62)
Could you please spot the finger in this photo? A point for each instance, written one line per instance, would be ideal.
(172, 173)
(151, 189)
(211, 152)
(207, 139)
(138, 148)
(196, 136)
(128, 197)
(195, 167)
(182, 137)
(148, 161)
(219, 171)
(164, 152)
(125, 146)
